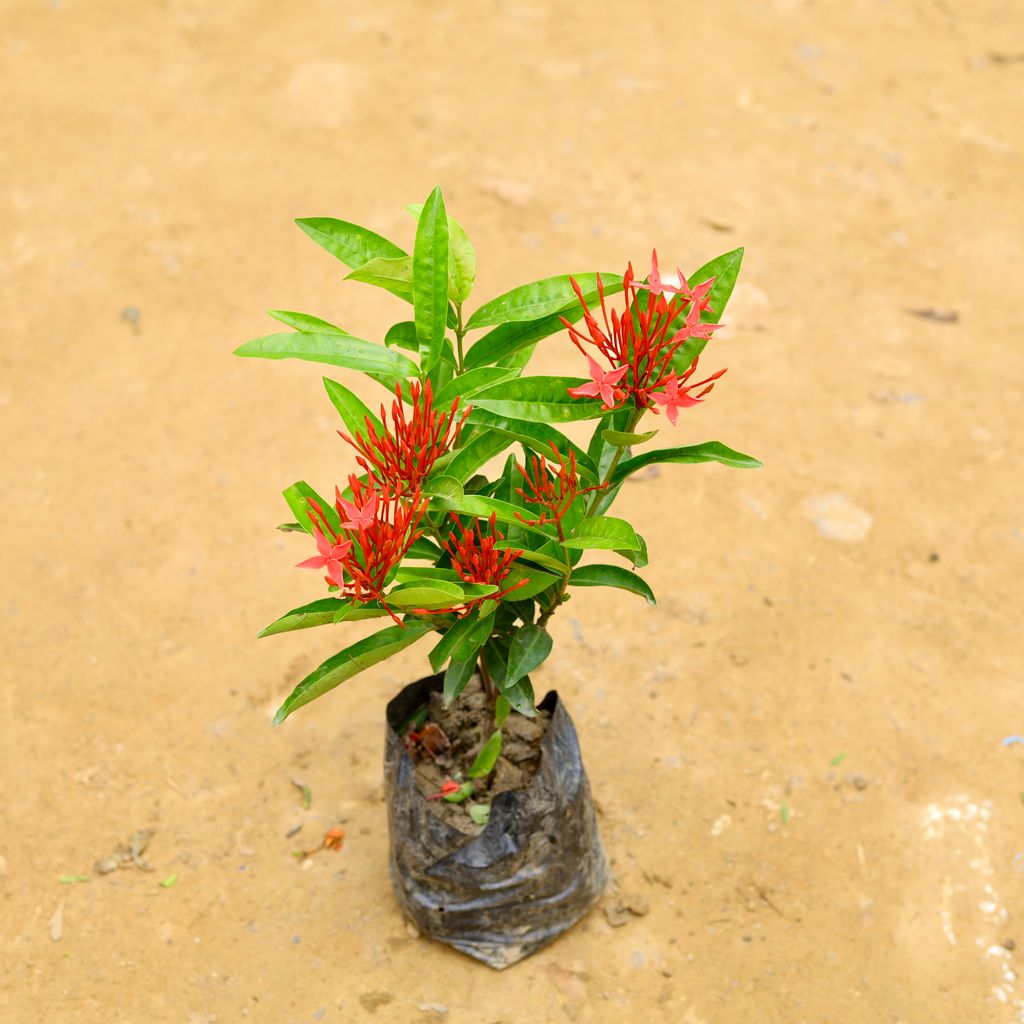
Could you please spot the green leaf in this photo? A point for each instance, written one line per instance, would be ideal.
(509, 339)
(539, 400)
(538, 557)
(536, 436)
(291, 528)
(168, 882)
(612, 576)
(467, 384)
(471, 456)
(710, 451)
(422, 548)
(520, 695)
(530, 647)
(74, 879)
(480, 813)
(461, 263)
(305, 322)
(430, 279)
(457, 677)
(604, 532)
(393, 274)
(484, 762)
(335, 350)
(425, 593)
(443, 486)
(321, 613)
(474, 505)
(351, 661)
(621, 439)
(537, 580)
(502, 709)
(457, 632)
(402, 335)
(536, 300)
(350, 243)
(353, 412)
(298, 496)
(461, 257)
(464, 792)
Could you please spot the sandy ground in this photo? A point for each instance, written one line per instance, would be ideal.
(813, 796)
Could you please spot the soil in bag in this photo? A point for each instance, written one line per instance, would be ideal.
(502, 890)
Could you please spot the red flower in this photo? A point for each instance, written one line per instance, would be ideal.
(638, 343)
(331, 558)
(601, 383)
(447, 789)
(554, 491)
(403, 455)
(388, 526)
(677, 395)
(360, 516)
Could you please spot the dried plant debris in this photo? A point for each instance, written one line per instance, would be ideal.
(939, 316)
(128, 854)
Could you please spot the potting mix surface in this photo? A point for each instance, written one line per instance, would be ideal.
(807, 759)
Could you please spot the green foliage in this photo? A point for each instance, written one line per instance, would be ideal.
(491, 619)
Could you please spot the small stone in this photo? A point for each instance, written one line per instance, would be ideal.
(411, 930)
(721, 824)
(372, 1001)
(57, 923)
(837, 518)
(439, 1010)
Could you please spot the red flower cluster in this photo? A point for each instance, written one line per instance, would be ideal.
(402, 456)
(638, 344)
(553, 490)
(477, 559)
(377, 529)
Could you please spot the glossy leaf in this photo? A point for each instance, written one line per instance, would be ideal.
(354, 413)
(446, 646)
(474, 505)
(537, 581)
(322, 613)
(351, 661)
(502, 709)
(456, 676)
(426, 593)
(471, 456)
(393, 274)
(536, 436)
(621, 439)
(402, 335)
(539, 400)
(424, 549)
(710, 451)
(530, 646)
(536, 300)
(484, 762)
(335, 350)
(604, 532)
(305, 322)
(508, 339)
(472, 382)
(443, 486)
(612, 576)
(461, 257)
(539, 557)
(298, 496)
(430, 279)
(350, 243)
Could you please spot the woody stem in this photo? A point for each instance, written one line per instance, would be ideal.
(489, 688)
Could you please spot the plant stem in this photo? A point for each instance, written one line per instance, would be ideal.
(489, 688)
(460, 332)
(634, 419)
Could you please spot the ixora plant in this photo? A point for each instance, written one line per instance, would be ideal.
(494, 848)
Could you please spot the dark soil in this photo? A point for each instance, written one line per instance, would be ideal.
(467, 725)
